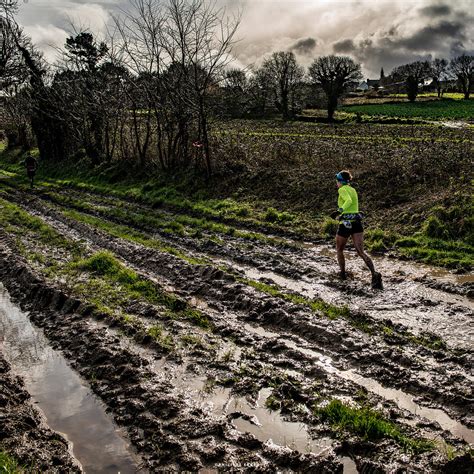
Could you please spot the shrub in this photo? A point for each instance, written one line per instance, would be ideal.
(433, 227)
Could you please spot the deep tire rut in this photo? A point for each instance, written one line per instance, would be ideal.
(396, 368)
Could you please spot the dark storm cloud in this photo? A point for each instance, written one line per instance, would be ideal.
(436, 10)
(377, 33)
(344, 46)
(458, 48)
(393, 46)
(304, 46)
(429, 37)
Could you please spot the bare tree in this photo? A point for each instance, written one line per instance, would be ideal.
(286, 75)
(199, 41)
(235, 93)
(413, 74)
(21, 76)
(463, 68)
(11, 64)
(439, 71)
(154, 84)
(178, 52)
(334, 74)
(260, 91)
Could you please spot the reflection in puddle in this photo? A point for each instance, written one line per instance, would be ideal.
(264, 424)
(349, 466)
(269, 425)
(65, 400)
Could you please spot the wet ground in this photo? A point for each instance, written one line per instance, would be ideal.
(246, 394)
(62, 396)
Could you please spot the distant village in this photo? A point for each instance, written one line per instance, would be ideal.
(385, 85)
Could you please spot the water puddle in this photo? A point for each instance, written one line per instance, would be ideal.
(64, 398)
(349, 466)
(264, 424)
(407, 301)
(405, 401)
(268, 425)
(398, 265)
(402, 399)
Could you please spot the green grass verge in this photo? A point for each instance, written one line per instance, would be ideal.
(132, 235)
(14, 219)
(437, 109)
(446, 237)
(182, 193)
(105, 265)
(8, 465)
(318, 306)
(109, 286)
(369, 425)
(171, 224)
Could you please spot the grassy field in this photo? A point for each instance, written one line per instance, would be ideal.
(414, 183)
(446, 95)
(447, 108)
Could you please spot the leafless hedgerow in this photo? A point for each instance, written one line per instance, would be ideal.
(177, 53)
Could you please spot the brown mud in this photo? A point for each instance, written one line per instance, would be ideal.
(206, 407)
(167, 430)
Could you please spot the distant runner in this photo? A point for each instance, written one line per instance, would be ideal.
(351, 224)
(31, 166)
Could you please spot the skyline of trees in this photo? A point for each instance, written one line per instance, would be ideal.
(154, 88)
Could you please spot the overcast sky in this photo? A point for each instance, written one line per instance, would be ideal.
(377, 33)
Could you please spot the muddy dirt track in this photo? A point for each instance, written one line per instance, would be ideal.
(282, 338)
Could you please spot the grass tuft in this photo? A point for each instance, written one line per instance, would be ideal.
(329, 310)
(370, 425)
(8, 465)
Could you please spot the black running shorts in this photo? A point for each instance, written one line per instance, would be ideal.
(356, 228)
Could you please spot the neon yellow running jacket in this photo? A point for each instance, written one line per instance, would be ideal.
(348, 200)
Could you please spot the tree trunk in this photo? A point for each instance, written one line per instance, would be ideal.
(332, 105)
(412, 88)
(284, 104)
